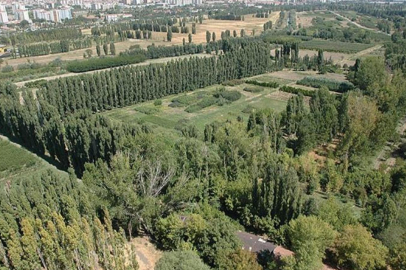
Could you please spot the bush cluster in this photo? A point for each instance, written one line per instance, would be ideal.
(264, 84)
(295, 90)
(331, 84)
(204, 103)
(253, 89)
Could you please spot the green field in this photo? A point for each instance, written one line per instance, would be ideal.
(170, 118)
(334, 46)
(16, 161)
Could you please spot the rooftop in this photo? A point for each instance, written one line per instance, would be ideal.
(255, 243)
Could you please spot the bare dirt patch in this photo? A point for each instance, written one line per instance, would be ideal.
(146, 252)
(289, 75)
(304, 19)
(279, 95)
(335, 56)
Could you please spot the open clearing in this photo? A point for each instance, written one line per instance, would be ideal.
(304, 19)
(168, 117)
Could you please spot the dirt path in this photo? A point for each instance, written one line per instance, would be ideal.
(152, 61)
(357, 24)
(350, 58)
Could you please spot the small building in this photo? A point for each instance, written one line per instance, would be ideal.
(255, 243)
(261, 247)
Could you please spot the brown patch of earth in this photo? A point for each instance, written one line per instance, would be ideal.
(146, 252)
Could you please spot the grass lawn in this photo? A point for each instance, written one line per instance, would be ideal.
(19, 162)
(170, 118)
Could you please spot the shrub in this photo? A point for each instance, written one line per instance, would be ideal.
(147, 110)
(264, 84)
(248, 109)
(7, 69)
(101, 63)
(178, 260)
(183, 101)
(233, 82)
(204, 103)
(332, 85)
(253, 89)
(294, 90)
(158, 102)
(36, 84)
(228, 95)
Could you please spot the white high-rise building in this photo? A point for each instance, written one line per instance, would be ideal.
(20, 12)
(64, 13)
(3, 14)
(180, 2)
(56, 15)
(41, 14)
(22, 15)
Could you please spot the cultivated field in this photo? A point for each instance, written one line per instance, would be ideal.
(168, 117)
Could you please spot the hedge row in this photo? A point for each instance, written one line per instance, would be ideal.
(101, 63)
(253, 89)
(228, 95)
(294, 90)
(264, 84)
(331, 84)
(234, 82)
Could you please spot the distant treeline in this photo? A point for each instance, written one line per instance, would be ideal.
(54, 47)
(102, 63)
(44, 35)
(176, 50)
(157, 25)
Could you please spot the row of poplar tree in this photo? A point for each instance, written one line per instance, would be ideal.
(55, 123)
(61, 46)
(45, 35)
(157, 25)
